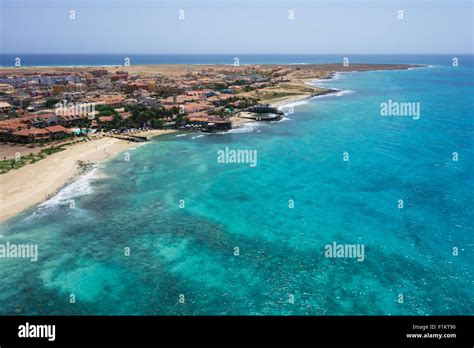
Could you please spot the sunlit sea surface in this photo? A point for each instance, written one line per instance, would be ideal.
(191, 251)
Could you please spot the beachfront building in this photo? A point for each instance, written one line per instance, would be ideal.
(33, 128)
(29, 135)
(204, 122)
(218, 124)
(8, 127)
(58, 132)
(34, 135)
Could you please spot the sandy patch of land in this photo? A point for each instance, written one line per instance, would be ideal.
(9, 150)
(308, 70)
(154, 132)
(152, 69)
(239, 121)
(289, 100)
(34, 183)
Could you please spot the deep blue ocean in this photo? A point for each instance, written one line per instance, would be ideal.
(281, 268)
(8, 60)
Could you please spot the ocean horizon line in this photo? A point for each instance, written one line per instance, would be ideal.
(249, 54)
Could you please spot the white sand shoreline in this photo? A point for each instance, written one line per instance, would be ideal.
(34, 183)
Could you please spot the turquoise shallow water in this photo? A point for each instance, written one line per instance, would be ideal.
(190, 250)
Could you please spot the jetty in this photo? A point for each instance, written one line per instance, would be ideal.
(134, 138)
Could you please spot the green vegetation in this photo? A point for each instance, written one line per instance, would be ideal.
(247, 102)
(51, 102)
(269, 95)
(222, 112)
(105, 110)
(220, 86)
(225, 102)
(248, 89)
(240, 82)
(142, 116)
(7, 165)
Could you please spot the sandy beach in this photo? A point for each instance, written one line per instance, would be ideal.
(34, 183)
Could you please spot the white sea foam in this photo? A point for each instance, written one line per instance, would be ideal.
(339, 75)
(198, 136)
(339, 93)
(420, 67)
(245, 128)
(323, 82)
(80, 187)
(285, 108)
(292, 104)
(181, 135)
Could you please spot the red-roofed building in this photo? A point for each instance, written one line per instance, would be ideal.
(196, 107)
(105, 119)
(71, 120)
(179, 99)
(118, 77)
(209, 123)
(20, 130)
(12, 125)
(31, 135)
(125, 114)
(58, 132)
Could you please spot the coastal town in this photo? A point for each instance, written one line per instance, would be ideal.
(45, 107)
(57, 121)
(59, 104)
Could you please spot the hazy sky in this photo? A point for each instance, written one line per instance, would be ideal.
(236, 26)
